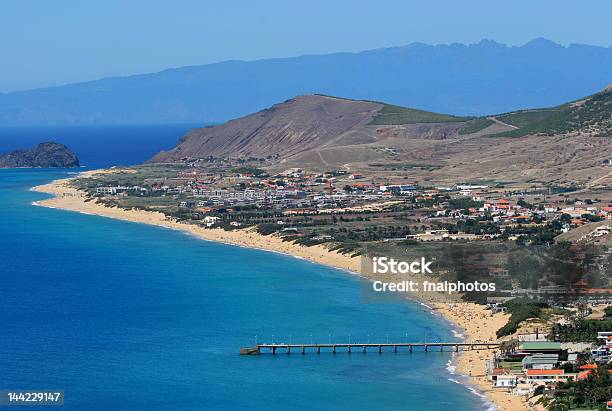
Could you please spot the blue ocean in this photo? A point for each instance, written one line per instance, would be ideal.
(125, 316)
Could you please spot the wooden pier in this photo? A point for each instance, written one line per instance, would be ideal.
(367, 347)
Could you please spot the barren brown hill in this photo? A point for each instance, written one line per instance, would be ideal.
(294, 126)
(307, 123)
(567, 145)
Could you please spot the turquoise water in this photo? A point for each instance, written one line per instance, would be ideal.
(124, 316)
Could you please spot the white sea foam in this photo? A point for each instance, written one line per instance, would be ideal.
(450, 367)
(427, 306)
(38, 204)
(489, 406)
(458, 334)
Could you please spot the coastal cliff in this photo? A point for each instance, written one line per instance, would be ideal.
(45, 155)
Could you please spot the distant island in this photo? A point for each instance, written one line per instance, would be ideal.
(45, 155)
(469, 80)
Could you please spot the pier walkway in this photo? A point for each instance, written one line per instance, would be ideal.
(365, 347)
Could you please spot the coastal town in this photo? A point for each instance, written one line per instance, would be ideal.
(482, 201)
(240, 196)
(556, 338)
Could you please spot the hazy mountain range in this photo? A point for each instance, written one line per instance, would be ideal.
(477, 79)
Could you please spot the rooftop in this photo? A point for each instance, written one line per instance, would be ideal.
(541, 359)
(544, 372)
(541, 345)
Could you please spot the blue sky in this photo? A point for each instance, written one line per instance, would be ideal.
(56, 42)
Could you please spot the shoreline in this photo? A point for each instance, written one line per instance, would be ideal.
(474, 321)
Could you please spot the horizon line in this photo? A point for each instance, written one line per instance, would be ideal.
(237, 60)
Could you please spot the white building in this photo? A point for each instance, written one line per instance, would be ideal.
(508, 381)
(210, 221)
(106, 190)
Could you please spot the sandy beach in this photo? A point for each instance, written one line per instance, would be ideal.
(477, 323)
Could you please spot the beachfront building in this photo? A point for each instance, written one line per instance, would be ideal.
(541, 347)
(503, 377)
(106, 190)
(210, 221)
(540, 361)
(540, 377)
(603, 353)
(506, 381)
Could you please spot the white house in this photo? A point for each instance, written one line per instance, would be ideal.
(508, 381)
(210, 220)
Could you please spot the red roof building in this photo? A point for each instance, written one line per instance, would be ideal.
(544, 372)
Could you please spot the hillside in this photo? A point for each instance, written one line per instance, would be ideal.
(324, 133)
(43, 155)
(590, 115)
(303, 124)
(476, 79)
(395, 115)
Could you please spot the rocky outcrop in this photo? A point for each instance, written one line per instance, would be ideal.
(45, 155)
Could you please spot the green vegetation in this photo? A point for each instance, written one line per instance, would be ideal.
(354, 249)
(511, 365)
(582, 330)
(268, 228)
(520, 309)
(593, 114)
(463, 203)
(406, 166)
(137, 175)
(527, 118)
(257, 172)
(472, 226)
(476, 125)
(396, 115)
(589, 393)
